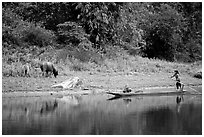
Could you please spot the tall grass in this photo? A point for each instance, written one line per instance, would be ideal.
(120, 62)
(123, 62)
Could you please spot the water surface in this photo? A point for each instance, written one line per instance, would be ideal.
(99, 114)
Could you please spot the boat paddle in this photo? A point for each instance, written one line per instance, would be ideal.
(194, 90)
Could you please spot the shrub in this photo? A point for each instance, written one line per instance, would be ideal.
(76, 65)
(83, 53)
(30, 34)
(16, 31)
(13, 69)
(198, 75)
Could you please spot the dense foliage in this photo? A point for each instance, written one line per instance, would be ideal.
(170, 31)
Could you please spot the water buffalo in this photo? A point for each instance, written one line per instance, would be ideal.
(47, 67)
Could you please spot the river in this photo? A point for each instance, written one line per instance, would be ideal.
(101, 114)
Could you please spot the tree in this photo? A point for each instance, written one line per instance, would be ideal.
(163, 31)
(98, 19)
(128, 27)
(193, 35)
(71, 32)
(48, 14)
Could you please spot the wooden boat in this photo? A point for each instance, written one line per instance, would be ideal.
(141, 93)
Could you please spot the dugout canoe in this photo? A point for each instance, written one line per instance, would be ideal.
(141, 93)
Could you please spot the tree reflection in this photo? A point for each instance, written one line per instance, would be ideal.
(159, 121)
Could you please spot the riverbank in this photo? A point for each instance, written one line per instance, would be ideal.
(97, 81)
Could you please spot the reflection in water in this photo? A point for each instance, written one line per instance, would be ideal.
(127, 101)
(178, 101)
(48, 107)
(94, 114)
(159, 120)
(179, 98)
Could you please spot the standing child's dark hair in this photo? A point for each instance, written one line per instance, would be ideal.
(176, 71)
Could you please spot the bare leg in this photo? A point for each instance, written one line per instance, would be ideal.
(25, 73)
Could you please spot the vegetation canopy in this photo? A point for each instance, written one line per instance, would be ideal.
(168, 31)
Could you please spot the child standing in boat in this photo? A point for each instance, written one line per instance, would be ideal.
(179, 85)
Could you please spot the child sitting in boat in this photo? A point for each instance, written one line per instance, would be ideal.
(126, 89)
(179, 85)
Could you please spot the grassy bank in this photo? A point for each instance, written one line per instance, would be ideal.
(119, 63)
(115, 73)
